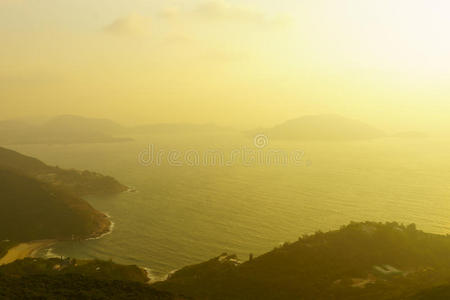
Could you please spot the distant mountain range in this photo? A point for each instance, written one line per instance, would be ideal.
(61, 130)
(174, 128)
(72, 123)
(410, 135)
(70, 129)
(321, 127)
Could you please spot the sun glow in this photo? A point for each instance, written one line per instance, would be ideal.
(211, 58)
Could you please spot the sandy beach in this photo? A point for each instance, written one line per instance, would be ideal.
(25, 250)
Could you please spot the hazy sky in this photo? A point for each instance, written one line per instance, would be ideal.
(242, 62)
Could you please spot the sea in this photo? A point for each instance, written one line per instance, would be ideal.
(193, 197)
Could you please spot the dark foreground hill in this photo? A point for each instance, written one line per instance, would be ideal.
(76, 287)
(436, 293)
(97, 269)
(65, 278)
(33, 210)
(77, 182)
(359, 261)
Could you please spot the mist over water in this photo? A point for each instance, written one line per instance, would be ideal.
(184, 215)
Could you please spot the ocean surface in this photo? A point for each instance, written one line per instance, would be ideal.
(181, 213)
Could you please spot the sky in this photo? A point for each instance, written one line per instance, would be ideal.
(241, 63)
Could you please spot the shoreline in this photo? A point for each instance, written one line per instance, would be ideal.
(103, 233)
(32, 248)
(24, 250)
(153, 278)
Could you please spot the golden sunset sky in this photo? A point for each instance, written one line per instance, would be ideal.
(242, 63)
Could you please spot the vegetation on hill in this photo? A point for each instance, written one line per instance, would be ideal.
(359, 261)
(436, 293)
(98, 269)
(33, 210)
(65, 278)
(76, 286)
(5, 245)
(77, 182)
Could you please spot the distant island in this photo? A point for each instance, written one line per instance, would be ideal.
(72, 129)
(321, 127)
(178, 128)
(411, 135)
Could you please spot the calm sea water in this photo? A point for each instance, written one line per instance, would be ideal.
(184, 215)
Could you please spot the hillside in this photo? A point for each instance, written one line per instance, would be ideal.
(359, 261)
(97, 269)
(77, 182)
(33, 210)
(321, 127)
(436, 293)
(66, 278)
(76, 286)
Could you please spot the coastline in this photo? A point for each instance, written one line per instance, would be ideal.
(23, 250)
(32, 248)
(107, 230)
(152, 278)
(96, 235)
